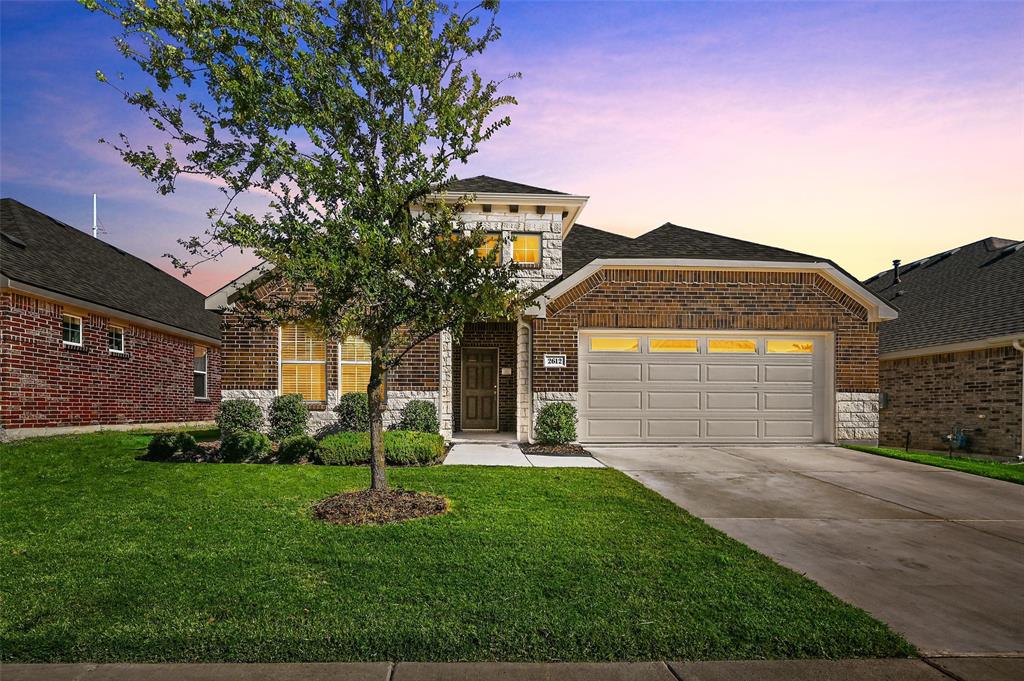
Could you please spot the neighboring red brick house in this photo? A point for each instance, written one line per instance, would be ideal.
(93, 337)
(955, 357)
(675, 336)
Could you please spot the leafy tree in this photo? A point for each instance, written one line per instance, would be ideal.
(349, 116)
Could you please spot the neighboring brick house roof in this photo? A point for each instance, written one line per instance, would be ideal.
(48, 254)
(484, 184)
(965, 294)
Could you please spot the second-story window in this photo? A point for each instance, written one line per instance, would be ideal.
(490, 248)
(526, 250)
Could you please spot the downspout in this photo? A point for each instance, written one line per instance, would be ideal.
(1018, 345)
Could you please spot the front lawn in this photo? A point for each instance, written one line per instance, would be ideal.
(106, 558)
(988, 469)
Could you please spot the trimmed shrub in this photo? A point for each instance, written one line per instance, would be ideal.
(288, 416)
(185, 443)
(239, 416)
(556, 424)
(163, 444)
(296, 448)
(401, 448)
(243, 446)
(419, 416)
(353, 412)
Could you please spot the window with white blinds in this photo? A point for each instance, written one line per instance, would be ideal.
(355, 365)
(303, 363)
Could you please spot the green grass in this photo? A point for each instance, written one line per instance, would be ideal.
(988, 469)
(105, 558)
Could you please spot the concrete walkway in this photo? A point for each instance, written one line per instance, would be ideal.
(962, 669)
(937, 554)
(509, 454)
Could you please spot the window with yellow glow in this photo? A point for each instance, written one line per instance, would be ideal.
(615, 344)
(673, 345)
(303, 363)
(490, 248)
(797, 347)
(526, 249)
(732, 345)
(355, 365)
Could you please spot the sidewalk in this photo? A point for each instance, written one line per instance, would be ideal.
(933, 669)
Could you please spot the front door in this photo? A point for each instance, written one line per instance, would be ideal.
(479, 389)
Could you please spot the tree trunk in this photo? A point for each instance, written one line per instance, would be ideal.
(376, 398)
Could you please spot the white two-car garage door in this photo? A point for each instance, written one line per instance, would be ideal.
(689, 387)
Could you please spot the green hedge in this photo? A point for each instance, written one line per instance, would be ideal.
(401, 448)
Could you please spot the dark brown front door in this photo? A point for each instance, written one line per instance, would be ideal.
(479, 389)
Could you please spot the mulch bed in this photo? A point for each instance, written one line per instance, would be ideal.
(369, 507)
(554, 450)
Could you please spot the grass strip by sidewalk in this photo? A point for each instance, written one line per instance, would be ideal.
(106, 558)
(987, 469)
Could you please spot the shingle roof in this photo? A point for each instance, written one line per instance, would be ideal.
(484, 184)
(43, 252)
(673, 241)
(586, 243)
(964, 294)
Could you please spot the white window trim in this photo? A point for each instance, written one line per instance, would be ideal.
(205, 373)
(122, 330)
(281, 363)
(81, 330)
(350, 362)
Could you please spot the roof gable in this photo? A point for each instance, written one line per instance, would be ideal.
(43, 252)
(484, 184)
(961, 295)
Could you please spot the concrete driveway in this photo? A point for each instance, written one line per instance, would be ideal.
(937, 554)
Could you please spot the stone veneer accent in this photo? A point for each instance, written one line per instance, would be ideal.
(524, 425)
(321, 420)
(444, 406)
(980, 390)
(857, 417)
(548, 225)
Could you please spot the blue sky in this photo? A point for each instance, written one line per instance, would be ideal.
(855, 131)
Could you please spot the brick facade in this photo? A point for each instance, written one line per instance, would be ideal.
(250, 351)
(500, 335)
(979, 390)
(707, 300)
(47, 384)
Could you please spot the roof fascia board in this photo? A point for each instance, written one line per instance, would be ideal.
(966, 346)
(104, 310)
(878, 309)
(221, 298)
(573, 202)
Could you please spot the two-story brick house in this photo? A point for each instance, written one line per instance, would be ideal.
(675, 336)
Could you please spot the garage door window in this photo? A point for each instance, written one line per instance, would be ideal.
(791, 347)
(673, 345)
(734, 345)
(615, 344)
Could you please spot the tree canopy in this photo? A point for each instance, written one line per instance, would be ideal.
(350, 117)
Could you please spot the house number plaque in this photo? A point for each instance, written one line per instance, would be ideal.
(554, 362)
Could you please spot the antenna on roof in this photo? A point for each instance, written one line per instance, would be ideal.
(93, 216)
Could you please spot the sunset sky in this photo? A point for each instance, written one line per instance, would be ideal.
(857, 132)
